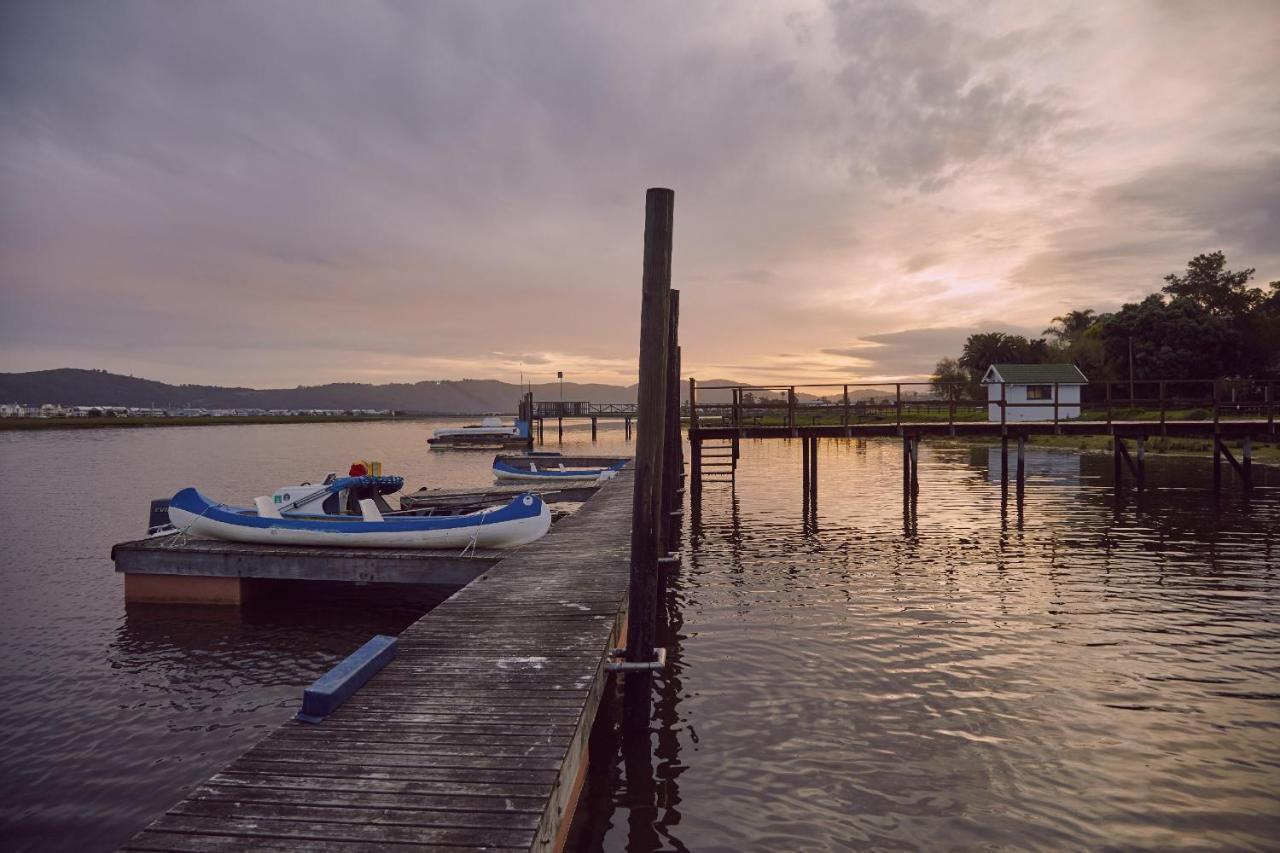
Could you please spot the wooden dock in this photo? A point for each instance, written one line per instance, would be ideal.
(474, 737)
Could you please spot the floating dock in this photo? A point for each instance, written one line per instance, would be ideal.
(186, 570)
(473, 738)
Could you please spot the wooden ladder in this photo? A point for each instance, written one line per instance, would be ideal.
(718, 460)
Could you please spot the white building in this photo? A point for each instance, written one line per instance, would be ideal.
(1029, 391)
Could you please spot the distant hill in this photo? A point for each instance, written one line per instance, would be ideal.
(75, 387)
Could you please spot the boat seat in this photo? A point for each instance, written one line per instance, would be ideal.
(369, 510)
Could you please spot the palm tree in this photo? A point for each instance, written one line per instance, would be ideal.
(1070, 326)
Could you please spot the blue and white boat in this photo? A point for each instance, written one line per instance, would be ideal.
(554, 468)
(524, 519)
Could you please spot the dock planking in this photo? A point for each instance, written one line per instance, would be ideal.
(474, 737)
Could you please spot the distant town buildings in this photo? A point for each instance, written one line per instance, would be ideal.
(53, 410)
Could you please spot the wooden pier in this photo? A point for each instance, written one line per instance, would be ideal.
(474, 737)
(1228, 410)
(565, 410)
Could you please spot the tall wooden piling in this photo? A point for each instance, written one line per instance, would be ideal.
(671, 456)
(650, 443)
(804, 466)
(1022, 462)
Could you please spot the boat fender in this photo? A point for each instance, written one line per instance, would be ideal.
(266, 507)
(369, 510)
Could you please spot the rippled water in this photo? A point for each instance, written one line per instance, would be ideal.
(110, 713)
(976, 671)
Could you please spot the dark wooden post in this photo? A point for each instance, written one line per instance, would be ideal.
(650, 442)
(593, 427)
(906, 466)
(1022, 461)
(915, 464)
(804, 464)
(672, 465)
(560, 427)
(1217, 462)
(791, 409)
(846, 411)
(1246, 463)
(1117, 469)
(813, 471)
(1163, 429)
(897, 391)
(695, 443)
(1215, 408)
(1142, 462)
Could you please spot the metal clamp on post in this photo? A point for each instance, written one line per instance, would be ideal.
(635, 666)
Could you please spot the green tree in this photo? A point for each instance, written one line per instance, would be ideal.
(1180, 339)
(953, 382)
(1071, 326)
(987, 348)
(1210, 285)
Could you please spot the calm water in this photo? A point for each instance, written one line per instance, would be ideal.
(110, 712)
(1056, 674)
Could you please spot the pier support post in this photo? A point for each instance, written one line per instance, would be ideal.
(813, 472)
(1022, 463)
(1217, 463)
(671, 463)
(560, 428)
(1117, 465)
(1142, 462)
(915, 464)
(906, 465)
(593, 427)
(650, 445)
(626, 427)
(1004, 459)
(1246, 464)
(804, 465)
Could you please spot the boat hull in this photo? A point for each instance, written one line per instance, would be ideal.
(523, 520)
(505, 471)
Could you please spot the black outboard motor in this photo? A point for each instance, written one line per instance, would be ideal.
(158, 519)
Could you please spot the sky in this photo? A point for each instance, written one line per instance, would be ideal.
(277, 193)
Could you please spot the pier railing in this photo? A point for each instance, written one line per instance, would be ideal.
(580, 409)
(904, 403)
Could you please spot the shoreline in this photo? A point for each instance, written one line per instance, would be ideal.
(29, 424)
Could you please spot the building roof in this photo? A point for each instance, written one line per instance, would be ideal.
(1035, 374)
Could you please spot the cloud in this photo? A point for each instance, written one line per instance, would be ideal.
(277, 193)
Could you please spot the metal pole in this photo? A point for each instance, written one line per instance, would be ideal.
(898, 395)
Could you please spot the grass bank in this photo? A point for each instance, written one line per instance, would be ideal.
(1268, 452)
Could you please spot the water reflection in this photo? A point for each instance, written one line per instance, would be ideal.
(971, 668)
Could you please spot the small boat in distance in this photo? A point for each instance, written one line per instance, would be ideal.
(524, 519)
(489, 434)
(552, 467)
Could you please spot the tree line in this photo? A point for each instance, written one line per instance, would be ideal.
(1203, 324)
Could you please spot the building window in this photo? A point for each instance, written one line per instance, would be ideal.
(1039, 392)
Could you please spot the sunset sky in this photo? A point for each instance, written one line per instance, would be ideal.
(278, 193)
